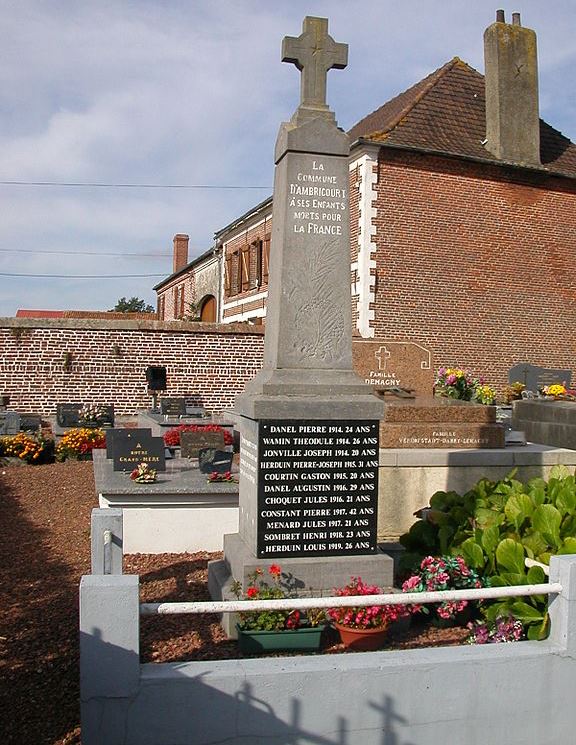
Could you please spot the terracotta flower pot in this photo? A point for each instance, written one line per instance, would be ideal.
(362, 640)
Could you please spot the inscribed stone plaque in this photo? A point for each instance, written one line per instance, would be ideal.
(129, 447)
(67, 414)
(173, 406)
(30, 422)
(9, 423)
(317, 488)
(393, 364)
(210, 460)
(535, 377)
(192, 442)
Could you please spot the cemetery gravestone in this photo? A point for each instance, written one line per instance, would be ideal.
(385, 365)
(211, 460)
(9, 423)
(30, 422)
(535, 377)
(192, 442)
(173, 406)
(306, 412)
(67, 414)
(129, 447)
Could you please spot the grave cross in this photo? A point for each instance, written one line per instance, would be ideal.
(314, 52)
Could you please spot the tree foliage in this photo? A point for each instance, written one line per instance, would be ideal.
(132, 305)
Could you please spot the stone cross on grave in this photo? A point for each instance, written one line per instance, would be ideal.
(314, 52)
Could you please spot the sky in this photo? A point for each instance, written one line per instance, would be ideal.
(124, 122)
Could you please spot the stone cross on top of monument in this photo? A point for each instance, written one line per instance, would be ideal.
(314, 52)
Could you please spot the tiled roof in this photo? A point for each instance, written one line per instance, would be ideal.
(445, 112)
(25, 313)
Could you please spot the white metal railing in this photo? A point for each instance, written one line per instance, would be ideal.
(396, 598)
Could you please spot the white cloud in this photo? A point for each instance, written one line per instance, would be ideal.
(184, 92)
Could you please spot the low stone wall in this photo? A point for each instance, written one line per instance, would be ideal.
(505, 694)
(48, 361)
(408, 478)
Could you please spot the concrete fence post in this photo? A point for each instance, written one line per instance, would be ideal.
(106, 559)
(562, 607)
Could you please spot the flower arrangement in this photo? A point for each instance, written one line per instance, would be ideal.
(484, 394)
(501, 631)
(216, 477)
(513, 392)
(92, 412)
(271, 620)
(79, 442)
(34, 449)
(553, 390)
(443, 573)
(453, 382)
(367, 617)
(172, 437)
(143, 474)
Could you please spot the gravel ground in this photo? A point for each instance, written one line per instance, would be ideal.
(45, 549)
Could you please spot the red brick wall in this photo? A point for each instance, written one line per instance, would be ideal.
(209, 364)
(476, 262)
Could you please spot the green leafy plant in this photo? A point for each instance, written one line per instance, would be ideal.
(272, 620)
(497, 525)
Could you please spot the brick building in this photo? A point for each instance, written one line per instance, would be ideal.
(463, 220)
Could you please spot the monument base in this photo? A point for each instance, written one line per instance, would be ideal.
(309, 577)
(437, 422)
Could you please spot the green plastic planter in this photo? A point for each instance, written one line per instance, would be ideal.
(286, 640)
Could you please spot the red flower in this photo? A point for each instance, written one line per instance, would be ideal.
(275, 570)
(252, 592)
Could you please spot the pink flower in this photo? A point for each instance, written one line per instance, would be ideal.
(451, 379)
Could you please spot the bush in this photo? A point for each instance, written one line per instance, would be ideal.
(34, 449)
(78, 443)
(497, 525)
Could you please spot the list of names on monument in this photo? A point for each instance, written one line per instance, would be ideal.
(317, 488)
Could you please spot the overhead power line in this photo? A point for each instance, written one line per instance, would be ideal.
(83, 253)
(128, 186)
(79, 276)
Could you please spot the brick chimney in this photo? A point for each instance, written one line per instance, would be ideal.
(511, 72)
(180, 251)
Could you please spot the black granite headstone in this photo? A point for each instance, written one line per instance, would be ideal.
(211, 460)
(67, 415)
(535, 377)
(129, 447)
(30, 422)
(192, 442)
(173, 406)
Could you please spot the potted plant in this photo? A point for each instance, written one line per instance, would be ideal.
(444, 573)
(91, 415)
(275, 630)
(364, 628)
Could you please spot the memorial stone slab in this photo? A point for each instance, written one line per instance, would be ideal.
(173, 406)
(9, 423)
(67, 414)
(386, 365)
(30, 422)
(211, 460)
(535, 377)
(129, 447)
(192, 442)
